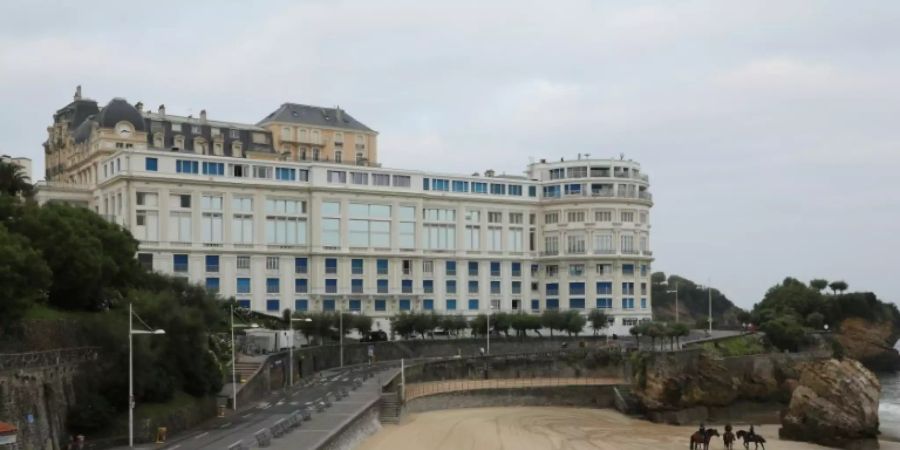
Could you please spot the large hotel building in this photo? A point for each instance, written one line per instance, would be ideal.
(296, 212)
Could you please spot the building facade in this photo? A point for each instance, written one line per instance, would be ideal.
(276, 231)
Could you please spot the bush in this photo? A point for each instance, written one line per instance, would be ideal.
(785, 333)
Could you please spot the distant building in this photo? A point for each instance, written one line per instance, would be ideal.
(24, 163)
(251, 211)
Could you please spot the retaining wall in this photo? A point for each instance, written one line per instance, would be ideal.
(571, 396)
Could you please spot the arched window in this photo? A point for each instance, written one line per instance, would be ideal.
(237, 149)
(158, 140)
(179, 142)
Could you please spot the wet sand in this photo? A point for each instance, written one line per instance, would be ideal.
(534, 428)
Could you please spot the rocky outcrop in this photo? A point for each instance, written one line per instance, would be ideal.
(835, 403)
(871, 343)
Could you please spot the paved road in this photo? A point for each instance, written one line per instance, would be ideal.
(220, 433)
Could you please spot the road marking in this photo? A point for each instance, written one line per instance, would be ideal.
(225, 425)
(247, 415)
(173, 448)
(201, 435)
(295, 403)
(280, 402)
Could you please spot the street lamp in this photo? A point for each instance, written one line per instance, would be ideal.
(675, 291)
(488, 328)
(709, 290)
(291, 351)
(341, 330)
(234, 359)
(131, 333)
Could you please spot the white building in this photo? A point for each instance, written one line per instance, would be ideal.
(22, 162)
(313, 236)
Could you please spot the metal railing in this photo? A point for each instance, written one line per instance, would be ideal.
(414, 390)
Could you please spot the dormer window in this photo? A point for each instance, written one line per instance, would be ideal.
(237, 150)
(217, 149)
(179, 141)
(200, 146)
(158, 140)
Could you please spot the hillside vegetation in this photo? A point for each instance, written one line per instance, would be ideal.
(693, 303)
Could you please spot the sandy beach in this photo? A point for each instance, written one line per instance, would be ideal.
(526, 428)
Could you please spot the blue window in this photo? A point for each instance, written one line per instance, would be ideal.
(428, 304)
(406, 286)
(331, 285)
(301, 285)
(300, 265)
(285, 174)
(551, 191)
(479, 188)
(604, 303)
(382, 266)
(573, 189)
(273, 305)
(212, 263)
(212, 285)
(356, 266)
(272, 286)
(331, 265)
(495, 268)
(551, 289)
(151, 164)
(576, 303)
(428, 286)
(627, 288)
(180, 263)
(473, 287)
(460, 186)
(473, 268)
(516, 269)
(451, 305)
(244, 304)
(627, 269)
(576, 288)
(382, 286)
(535, 305)
(185, 166)
(404, 304)
(356, 285)
(552, 303)
(425, 183)
(380, 304)
(451, 268)
(643, 303)
(627, 303)
(495, 287)
(440, 185)
(515, 189)
(516, 287)
(451, 286)
(604, 288)
(301, 304)
(473, 304)
(499, 189)
(355, 304)
(328, 304)
(532, 191)
(644, 270)
(213, 168)
(243, 285)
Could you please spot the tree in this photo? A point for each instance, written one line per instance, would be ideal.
(362, 324)
(815, 320)
(24, 277)
(818, 284)
(574, 322)
(478, 325)
(599, 320)
(553, 319)
(838, 286)
(637, 331)
(13, 181)
(501, 322)
(785, 333)
(679, 330)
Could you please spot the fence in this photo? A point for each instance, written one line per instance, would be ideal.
(50, 358)
(415, 390)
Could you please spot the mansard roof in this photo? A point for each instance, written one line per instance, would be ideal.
(315, 116)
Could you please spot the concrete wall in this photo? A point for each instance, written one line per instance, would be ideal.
(573, 396)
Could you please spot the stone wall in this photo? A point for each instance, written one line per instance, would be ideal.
(572, 396)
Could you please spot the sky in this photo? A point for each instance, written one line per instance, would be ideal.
(769, 129)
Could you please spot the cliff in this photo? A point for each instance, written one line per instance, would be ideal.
(871, 343)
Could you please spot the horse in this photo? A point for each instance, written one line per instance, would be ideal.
(748, 438)
(728, 438)
(700, 441)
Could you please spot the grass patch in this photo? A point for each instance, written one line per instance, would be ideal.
(736, 346)
(44, 312)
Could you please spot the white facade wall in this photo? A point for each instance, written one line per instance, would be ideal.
(603, 194)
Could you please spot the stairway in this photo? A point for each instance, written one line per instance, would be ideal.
(390, 408)
(246, 369)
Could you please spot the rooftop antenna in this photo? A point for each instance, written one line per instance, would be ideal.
(621, 156)
(587, 156)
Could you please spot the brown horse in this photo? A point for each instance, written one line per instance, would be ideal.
(700, 441)
(728, 438)
(748, 438)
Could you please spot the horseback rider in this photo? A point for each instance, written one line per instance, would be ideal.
(702, 430)
(751, 433)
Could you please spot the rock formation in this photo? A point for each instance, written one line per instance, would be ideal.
(835, 403)
(871, 343)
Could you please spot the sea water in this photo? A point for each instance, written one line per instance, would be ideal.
(889, 405)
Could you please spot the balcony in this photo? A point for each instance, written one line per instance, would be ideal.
(576, 251)
(604, 251)
(647, 253)
(630, 251)
(549, 252)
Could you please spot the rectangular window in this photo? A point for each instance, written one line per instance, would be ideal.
(604, 269)
(301, 305)
(473, 268)
(381, 267)
(603, 216)
(473, 304)
(451, 305)
(479, 188)
(440, 184)
(552, 303)
(328, 304)
(627, 303)
(301, 265)
(576, 270)
(495, 268)
(643, 303)
(516, 287)
(575, 216)
(460, 186)
(244, 304)
(499, 189)
(428, 267)
(331, 285)
(272, 286)
(551, 218)
(273, 263)
(604, 303)
(573, 189)
(473, 237)
(383, 286)
(604, 288)
(331, 266)
(212, 263)
(285, 174)
(404, 304)
(576, 288)
(451, 268)
(359, 178)
(439, 237)
(213, 169)
(495, 287)
(356, 266)
(576, 303)
(451, 287)
(380, 304)
(516, 269)
(180, 263)
(551, 289)
(627, 269)
(473, 287)
(243, 263)
(212, 285)
(402, 181)
(551, 191)
(186, 166)
(301, 285)
(243, 286)
(356, 286)
(354, 305)
(406, 286)
(515, 189)
(532, 191)
(428, 304)
(273, 305)
(628, 288)
(428, 286)
(381, 179)
(337, 176)
(151, 164)
(535, 305)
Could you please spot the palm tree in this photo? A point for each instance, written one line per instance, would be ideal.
(838, 286)
(818, 284)
(13, 180)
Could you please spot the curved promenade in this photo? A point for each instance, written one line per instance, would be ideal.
(416, 390)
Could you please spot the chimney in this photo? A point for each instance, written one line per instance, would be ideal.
(162, 110)
(78, 92)
(489, 173)
(338, 116)
(203, 115)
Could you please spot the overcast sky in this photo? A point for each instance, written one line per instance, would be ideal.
(769, 129)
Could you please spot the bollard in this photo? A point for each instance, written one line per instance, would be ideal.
(277, 428)
(263, 437)
(320, 406)
(306, 413)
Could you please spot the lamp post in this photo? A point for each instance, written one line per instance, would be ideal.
(291, 351)
(488, 328)
(234, 359)
(709, 290)
(131, 333)
(676, 300)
